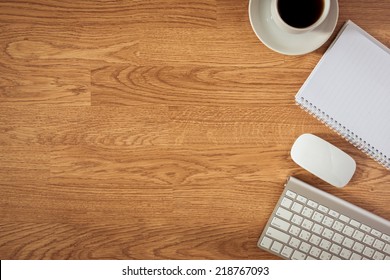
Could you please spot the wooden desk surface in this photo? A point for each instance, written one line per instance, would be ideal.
(154, 129)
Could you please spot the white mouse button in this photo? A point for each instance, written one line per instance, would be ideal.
(323, 160)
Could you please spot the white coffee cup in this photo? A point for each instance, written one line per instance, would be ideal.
(295, 30)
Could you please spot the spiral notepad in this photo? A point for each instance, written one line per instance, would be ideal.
(349, 91)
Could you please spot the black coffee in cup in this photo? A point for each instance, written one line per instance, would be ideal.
(300, 13)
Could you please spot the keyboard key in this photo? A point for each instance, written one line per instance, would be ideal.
(337, 238)
(287, 251)
(297, 207)
(348, 242)
(280, 224)
(358, 247)
(368, 252)
(266, 242)
(278, 235)
(298, 255)
(323, 209)
(344, 219)
(327, 233)
(376, 233)
(286, 202)
(365, 228)
(327, 221)
(345, 253)
(315, 239)
(338, 226)
(334, 214)
(385, 237)
(317, 228)
(297, 219)
(315, 252)
(291, 194)
(307, 224)
(317, 217)
(355, 257)
(294, 242)
(354, 223)
(276, 247)
(294, 230)
(325, 244)
(283, 213)
(335, 258)
(305, 235)
(305, 247)
(387, 249)
(368, 239)
(302, 199)
(325, 256)
(312, 204)
(358, 235)
(348, 230)
(307, 212)
(378, 256)
(335, 249)
(378, 244)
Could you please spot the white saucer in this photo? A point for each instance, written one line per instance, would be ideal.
(285, 43)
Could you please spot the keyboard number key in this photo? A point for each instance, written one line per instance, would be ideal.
(358, 235)
(307, 212)
(348, 230)
(338, 226)
(317, 217)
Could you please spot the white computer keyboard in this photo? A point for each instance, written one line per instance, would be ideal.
(308, 223)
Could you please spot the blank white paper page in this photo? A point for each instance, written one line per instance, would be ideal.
(351, 84)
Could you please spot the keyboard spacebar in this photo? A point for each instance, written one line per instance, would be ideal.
(277, 234)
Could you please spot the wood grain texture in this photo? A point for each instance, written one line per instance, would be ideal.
(154, 129)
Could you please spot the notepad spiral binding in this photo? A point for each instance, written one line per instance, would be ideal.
(344, 132)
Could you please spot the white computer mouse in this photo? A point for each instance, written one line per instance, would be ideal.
(323, 160)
